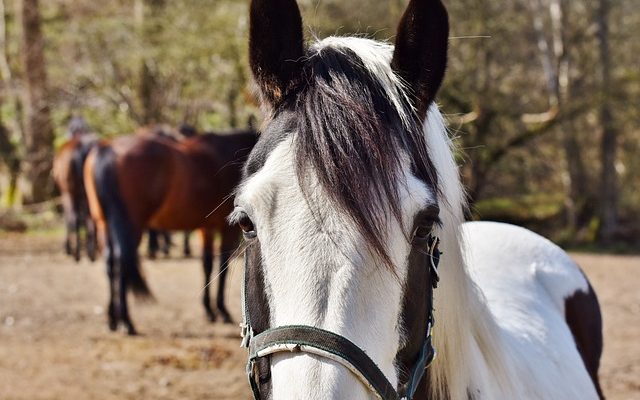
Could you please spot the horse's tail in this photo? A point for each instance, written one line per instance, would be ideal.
(120, 230)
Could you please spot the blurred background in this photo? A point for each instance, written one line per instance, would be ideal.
(542, 96)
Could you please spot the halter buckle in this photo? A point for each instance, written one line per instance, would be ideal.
(246, 333)
(434, 259)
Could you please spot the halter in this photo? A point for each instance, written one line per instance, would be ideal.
(326, 344)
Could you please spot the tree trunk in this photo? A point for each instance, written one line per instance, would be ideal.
(555, 58)
(608, 183)
(149, 30)
(37, 124)
(5, 70)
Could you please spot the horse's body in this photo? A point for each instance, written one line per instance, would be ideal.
(343, 199)
(137, 182)
(67, 173)
(184, 131)
(543, 307)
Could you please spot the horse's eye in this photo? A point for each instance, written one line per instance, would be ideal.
(425, 221)
(422, 232)
(248, 229)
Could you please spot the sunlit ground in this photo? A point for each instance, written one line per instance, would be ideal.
(54, 342)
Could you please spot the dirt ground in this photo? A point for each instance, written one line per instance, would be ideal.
(54, 343)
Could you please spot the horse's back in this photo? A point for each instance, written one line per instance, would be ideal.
(146, 169)
(542, 301)
(183, 180)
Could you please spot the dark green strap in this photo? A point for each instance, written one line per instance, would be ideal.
(329, 342)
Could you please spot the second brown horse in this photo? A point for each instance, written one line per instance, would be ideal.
(67, 173)
(137, 182)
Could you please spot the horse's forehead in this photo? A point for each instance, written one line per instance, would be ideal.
(275, 173)
(270, 165)
(269, 140)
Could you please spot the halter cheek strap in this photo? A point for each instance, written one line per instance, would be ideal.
(326, 344)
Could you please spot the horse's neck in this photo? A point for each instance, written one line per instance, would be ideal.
(473, 354)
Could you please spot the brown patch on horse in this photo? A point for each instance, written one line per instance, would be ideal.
(582, 313)
(95, 209)
(90, 187)
(62, 166)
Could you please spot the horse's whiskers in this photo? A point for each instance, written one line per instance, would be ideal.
(225, 266)
(230, 195)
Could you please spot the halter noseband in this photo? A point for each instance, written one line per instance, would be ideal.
(326, 344)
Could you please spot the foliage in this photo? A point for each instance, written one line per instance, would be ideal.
(495, 87)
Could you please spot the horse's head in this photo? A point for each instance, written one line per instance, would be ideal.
(340, 200)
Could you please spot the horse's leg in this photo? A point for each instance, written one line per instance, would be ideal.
(68, 223)
(128, 259)
(91, 238)
(78, 238)
(67, 235)
(166, 236)
(152, 245)
(72, 236)
(111, 275)
(227, 248)
(186, 249)
(207, 264)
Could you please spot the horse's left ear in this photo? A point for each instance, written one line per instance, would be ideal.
(420, 56)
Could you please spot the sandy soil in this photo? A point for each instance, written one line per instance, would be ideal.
(54, 343)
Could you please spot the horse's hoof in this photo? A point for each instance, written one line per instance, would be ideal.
(211, 316)
(226, 318)
(113, 326)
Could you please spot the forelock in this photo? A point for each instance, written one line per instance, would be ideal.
(356, 131)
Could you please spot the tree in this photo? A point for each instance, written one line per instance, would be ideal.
(38, 128)
(609, 181)
(150, 34)
(8, 151)
(556, 62)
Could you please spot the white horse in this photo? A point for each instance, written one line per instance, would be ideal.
(343, 198)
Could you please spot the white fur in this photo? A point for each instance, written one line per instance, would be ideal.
(500, 330)
(525, 280)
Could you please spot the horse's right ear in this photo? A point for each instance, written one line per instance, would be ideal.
(276, 47)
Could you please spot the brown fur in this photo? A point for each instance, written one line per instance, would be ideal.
(170, 185)
(582, 313)
(67, 174)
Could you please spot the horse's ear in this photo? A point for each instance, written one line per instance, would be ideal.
(276, 47)
(420, 56)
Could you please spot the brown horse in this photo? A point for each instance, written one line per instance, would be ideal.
(184, 131)
(67, 173)
(139, 182)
